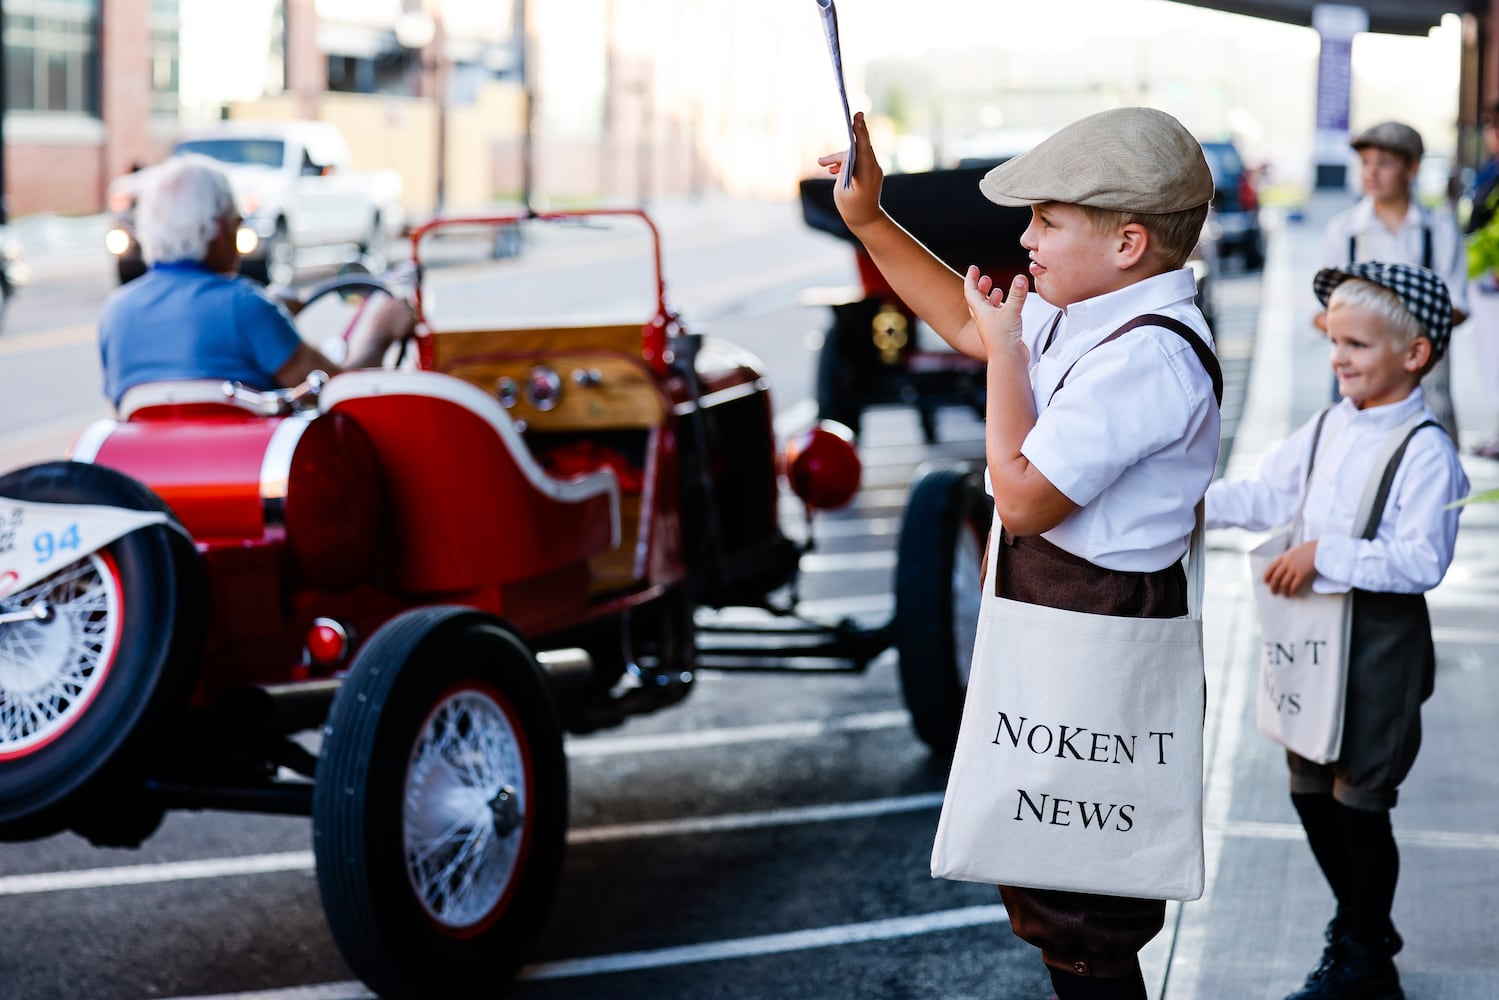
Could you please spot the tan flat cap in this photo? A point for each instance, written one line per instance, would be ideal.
(1122, 160)
(1393, 137)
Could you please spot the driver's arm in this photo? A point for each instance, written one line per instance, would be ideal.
(303, 362)
(393, 322)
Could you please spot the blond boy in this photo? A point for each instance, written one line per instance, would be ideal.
(1388, 325)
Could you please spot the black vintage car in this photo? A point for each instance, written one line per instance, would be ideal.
(873, 354)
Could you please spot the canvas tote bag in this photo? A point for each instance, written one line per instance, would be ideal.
(1304, 639)
(1079, 757)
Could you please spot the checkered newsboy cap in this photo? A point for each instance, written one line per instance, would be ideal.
(1421, 291)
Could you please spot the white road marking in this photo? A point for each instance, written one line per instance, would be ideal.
(302, 861)
(755, 820)
(171, 871)
(1465, 636)
(768, 733)
(1438, 839)
(847, 562)
(889, 929)
(771, 944)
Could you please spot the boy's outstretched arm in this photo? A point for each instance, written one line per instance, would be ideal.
(933, 290)
(1026, 501)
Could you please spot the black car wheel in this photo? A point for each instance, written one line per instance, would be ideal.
(440, 808)
(96, 683)
(938, 592)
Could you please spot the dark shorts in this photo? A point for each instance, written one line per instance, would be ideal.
(1391, 671)
(1077, 932)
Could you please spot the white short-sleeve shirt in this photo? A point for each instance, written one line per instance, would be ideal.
(1373, 240)
(1132, 435)
(1413, 545)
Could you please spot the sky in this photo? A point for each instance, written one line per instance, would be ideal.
(757, 75)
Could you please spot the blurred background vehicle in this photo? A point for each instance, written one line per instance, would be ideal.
(1236, 205)
(301, 202)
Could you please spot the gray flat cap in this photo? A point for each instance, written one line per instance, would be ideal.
(1122, 160)
(1393, 137)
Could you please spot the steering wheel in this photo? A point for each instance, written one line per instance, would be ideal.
(348, 285)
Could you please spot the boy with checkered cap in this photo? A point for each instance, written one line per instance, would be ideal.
(1101, 422)
(1388, 324)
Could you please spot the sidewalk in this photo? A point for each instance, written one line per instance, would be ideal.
(1257, 930)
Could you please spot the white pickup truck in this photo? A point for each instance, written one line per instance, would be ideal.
(301, 201)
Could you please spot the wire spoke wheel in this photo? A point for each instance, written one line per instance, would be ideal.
(439, 814)
(97, 662)
(52, 666)
(464, 816)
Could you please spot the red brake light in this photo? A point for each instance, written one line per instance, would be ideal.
(1249, 199)
(327, 642)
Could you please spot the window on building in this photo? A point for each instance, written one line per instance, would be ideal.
(164, 47)
(51, 56)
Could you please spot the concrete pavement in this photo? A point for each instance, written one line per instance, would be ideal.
(1257, 930)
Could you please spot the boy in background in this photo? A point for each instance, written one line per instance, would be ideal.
(1390, 225)
(1388, 323)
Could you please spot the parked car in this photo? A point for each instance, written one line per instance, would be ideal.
(1236, 205)
(300, 200)
(441, 567)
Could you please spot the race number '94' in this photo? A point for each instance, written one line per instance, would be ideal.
(38, 538)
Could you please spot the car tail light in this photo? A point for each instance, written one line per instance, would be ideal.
(823, 466)
(1249, 199)
(327, 643)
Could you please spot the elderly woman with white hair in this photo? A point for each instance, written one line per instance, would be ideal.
(191, 316)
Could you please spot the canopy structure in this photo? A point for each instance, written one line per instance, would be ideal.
(1399, 17)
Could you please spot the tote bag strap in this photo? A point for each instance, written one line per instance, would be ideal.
(1311, 464)
(1386, 463)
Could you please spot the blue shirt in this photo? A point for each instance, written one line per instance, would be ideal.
(183, 321)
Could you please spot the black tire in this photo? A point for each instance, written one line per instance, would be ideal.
(837, 384)
(1254, 251)
(422, 683)
(131, 619)
(937, 591)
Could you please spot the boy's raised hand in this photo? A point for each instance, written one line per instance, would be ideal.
(996, 316)
(858, 203)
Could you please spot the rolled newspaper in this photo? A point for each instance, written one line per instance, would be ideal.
(830, 28)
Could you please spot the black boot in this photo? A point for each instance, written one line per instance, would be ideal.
(1388, 942)
(1350, 971)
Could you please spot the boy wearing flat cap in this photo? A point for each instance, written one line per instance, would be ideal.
(1388, 324)
(1391, 225)
(1102, 426)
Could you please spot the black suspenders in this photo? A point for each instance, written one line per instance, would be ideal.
(1425, 245)
(1386, 481)
(1204, 355)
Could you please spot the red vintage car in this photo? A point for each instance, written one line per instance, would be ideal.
(436, 569)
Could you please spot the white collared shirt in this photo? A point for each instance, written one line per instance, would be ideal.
(1132, 436)
(1411, 549)
(1373, 240)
